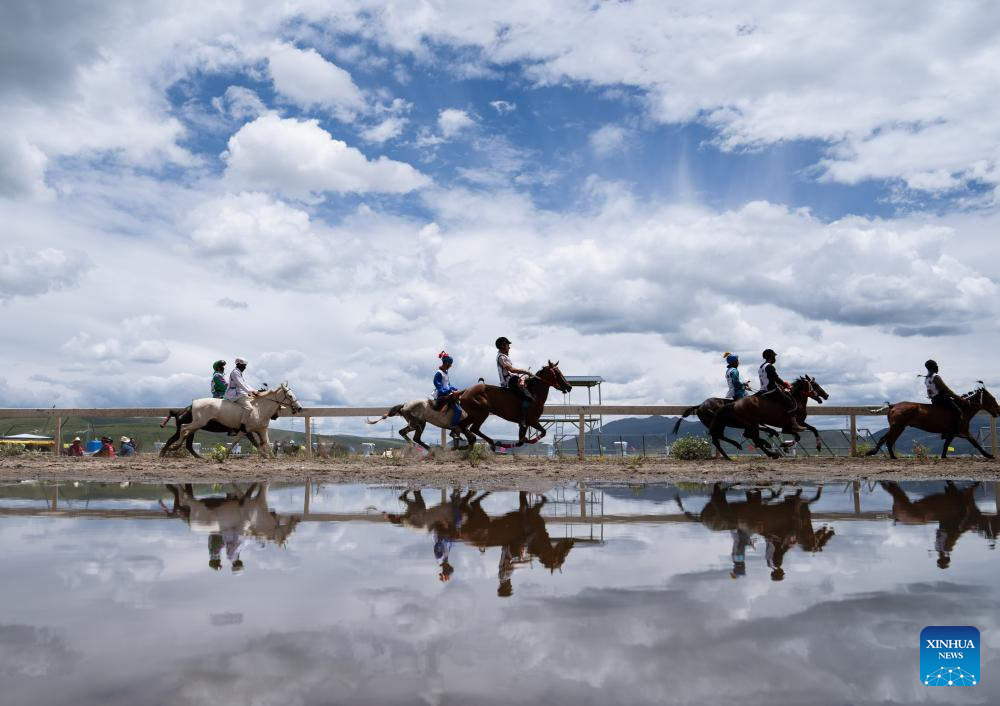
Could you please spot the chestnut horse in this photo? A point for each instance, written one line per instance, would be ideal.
(751, 412)
(937, 420)
(480, 401)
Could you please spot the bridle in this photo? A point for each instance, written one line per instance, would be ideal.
(551, 383)
(284, 403)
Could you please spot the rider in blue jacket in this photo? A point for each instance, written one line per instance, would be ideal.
(444, 390)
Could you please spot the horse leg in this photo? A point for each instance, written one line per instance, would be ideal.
(475, 429)
(730, 441)
(944, 448)
(265, 443)
(754, 432)
(980, 449)
(541, 433)
(189, 445)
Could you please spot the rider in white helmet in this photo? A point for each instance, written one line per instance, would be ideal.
(239, 392)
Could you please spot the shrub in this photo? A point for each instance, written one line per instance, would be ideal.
(919, 451)
(691, 448)
(219, 453)
(862, 450)
(13, 449)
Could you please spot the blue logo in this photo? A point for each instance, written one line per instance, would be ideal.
(949, 655)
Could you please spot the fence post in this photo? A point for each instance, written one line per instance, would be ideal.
(993, 436)
(305, 500)
(309, 437)
(444, 439)
(57, 446)
(856, 489)
(854, 435)
(581, 442)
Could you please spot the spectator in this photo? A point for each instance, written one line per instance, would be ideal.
(107, 448)
(127, 447)
(76, 448)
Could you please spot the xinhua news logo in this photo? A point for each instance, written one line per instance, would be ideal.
(949, 655)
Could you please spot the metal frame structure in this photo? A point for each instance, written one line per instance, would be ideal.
(557, 423)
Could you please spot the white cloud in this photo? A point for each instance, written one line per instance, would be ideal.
(137, 342)
(607, 140)
(307, 79)
(26, 272)
(384, 131)
(227, 303)
(301, 159)
(22, 169)
(503, 107)
(240, 103)
(452, 121)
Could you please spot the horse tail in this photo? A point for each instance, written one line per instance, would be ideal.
(887, 407)
(393, 412)
(170, 415)
(687, 413)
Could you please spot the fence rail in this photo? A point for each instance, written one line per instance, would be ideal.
(569, 412)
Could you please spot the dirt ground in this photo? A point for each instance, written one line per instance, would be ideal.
(500, 472)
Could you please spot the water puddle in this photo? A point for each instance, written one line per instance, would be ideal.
(322, 593)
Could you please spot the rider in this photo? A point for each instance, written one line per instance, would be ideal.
(737, 387)
(219, 384)
(510, 377)
(771, 383)
(239, 392)
(444, 391)
(941, 395)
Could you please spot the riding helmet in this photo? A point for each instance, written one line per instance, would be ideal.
(931, 365)
(768, 353)
(502, 341)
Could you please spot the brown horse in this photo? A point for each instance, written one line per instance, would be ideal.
(749, 413)
(480, 401)
(707, 409)
(954, 510)
(937, 420)
(782, 524)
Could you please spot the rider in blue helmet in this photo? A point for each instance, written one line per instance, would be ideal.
(444, 391)
(737, 387)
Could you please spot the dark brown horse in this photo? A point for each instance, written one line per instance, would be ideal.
(937, 420)
(707, 409)
(750, 413)
(782, 524)
(480, 401)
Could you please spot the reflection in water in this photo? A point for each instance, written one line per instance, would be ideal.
(783, 522)
(954, 510)
(107, 601)
(231, 520)
(520, 534)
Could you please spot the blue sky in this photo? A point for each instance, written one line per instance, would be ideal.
(338, 191)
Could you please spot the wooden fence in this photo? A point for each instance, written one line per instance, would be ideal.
(577, 413)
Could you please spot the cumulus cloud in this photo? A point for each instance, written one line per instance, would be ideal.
(451, 122)
(240, 103)
(307, 79)
(26, 273)
(301, 159)
(137, 341)
(607, 140)
(384, 131)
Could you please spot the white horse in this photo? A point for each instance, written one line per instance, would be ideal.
(265, 405)
(240, 513)
(418, 413)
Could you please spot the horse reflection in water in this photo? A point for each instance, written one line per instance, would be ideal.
(231, 520)
(783, 523)
(520, 534)
(954, 510)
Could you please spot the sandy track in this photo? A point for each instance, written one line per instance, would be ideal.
(499, 472)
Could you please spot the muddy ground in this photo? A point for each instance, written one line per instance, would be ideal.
(500, 472)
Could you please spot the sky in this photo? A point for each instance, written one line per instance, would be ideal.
(337, 191)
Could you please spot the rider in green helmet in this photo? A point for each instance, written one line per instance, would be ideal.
(219, 383)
